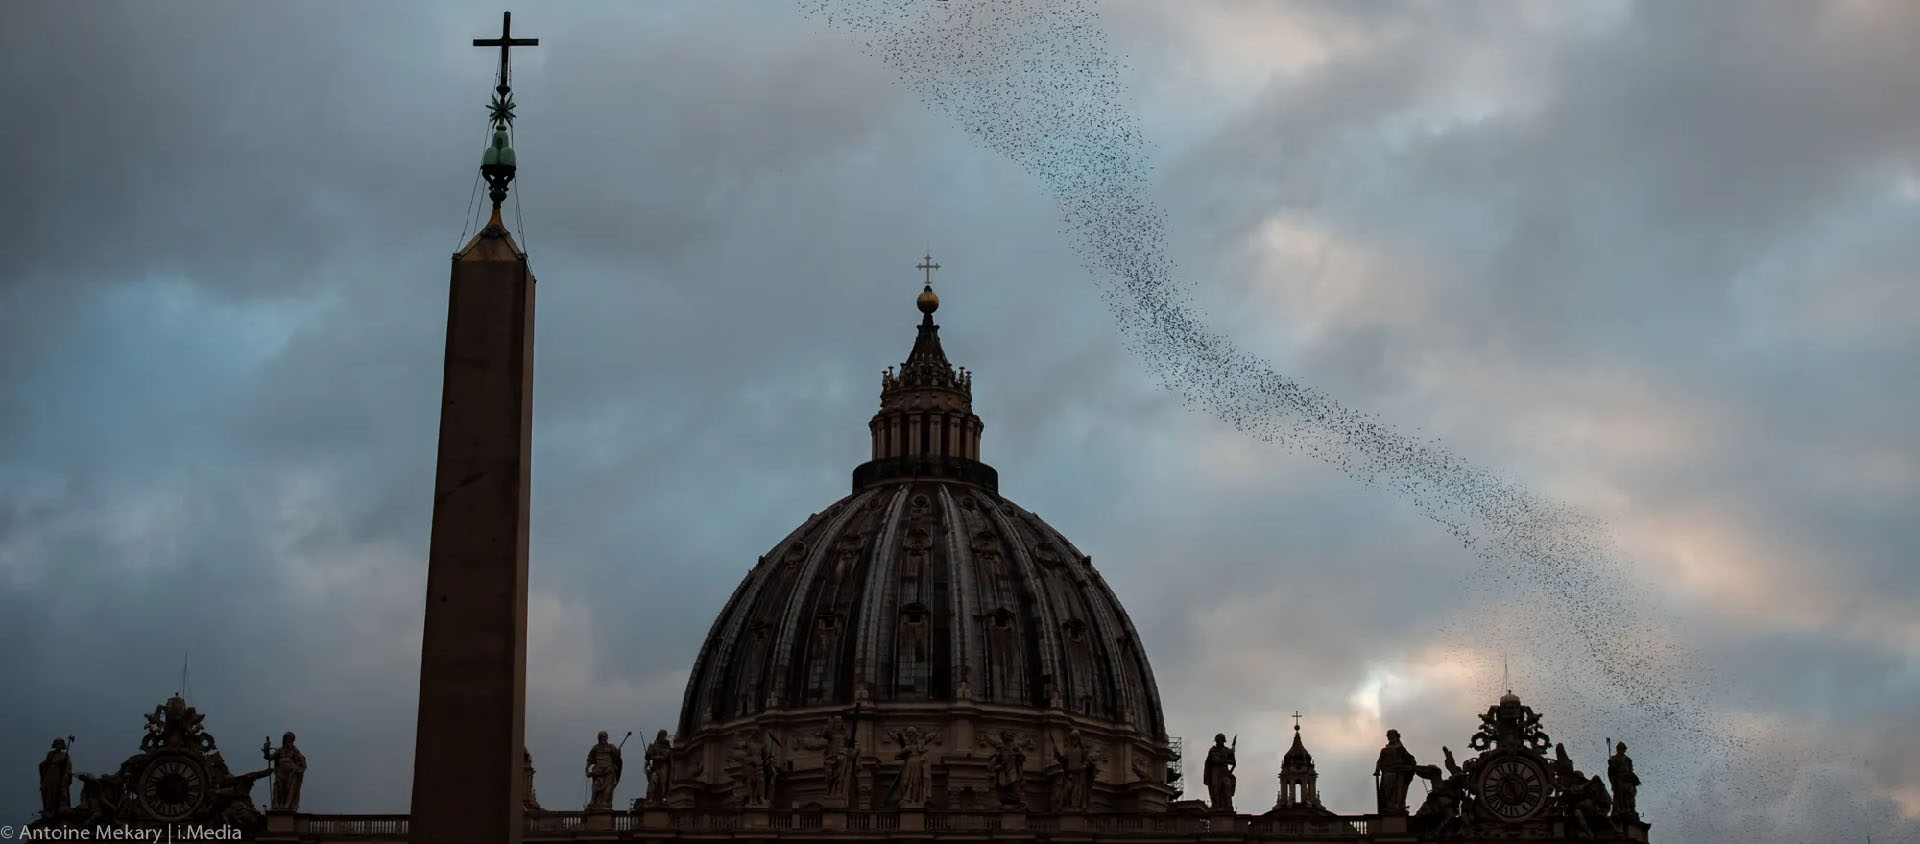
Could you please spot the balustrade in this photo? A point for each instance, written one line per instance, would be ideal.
(807, 824)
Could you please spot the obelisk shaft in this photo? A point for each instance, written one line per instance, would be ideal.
(473, 653)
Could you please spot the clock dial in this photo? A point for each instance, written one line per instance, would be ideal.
(172, 788)
(1513, 789)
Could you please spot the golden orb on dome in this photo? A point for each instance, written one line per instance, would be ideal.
(929, 301)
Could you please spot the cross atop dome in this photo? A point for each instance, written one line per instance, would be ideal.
(928, 301)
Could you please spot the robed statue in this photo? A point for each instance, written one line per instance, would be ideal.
(1395, 772)
(56, 780)
(659, 761)
(1077, 769)
(1218, 772)
(604, 767)
(837, 754)
(1625, 784)
(1006, 764)
(289, 767)
(915, 780)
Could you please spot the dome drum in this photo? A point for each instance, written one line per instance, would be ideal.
(898, 468)
(1131, 776)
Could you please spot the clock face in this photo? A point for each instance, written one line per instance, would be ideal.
(1513, 788)
(173, 787)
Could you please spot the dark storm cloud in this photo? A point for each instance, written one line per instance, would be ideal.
(220, 340)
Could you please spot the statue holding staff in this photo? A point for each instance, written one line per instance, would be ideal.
(1218, 774)
(1395, 772)
(604, 766)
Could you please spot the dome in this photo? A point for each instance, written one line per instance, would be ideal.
(924, 598)
(917, 590)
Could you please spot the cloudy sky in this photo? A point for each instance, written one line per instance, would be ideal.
(1652, 260)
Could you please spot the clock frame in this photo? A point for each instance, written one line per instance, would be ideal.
(1512, 787)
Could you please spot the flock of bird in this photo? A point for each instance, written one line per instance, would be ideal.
(1036, 82)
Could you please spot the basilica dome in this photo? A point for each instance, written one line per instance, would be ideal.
(925, 598)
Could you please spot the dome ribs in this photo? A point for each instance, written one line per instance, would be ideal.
(692, 702)
(719, 696)
(960, 600)
(1040, 616)
(1147, 713)
(800, 628)
(817, 675)
(873, 595)
(910, 588)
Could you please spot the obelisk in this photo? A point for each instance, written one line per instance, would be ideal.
(469, 741)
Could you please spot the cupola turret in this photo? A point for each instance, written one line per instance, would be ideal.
(926, 426)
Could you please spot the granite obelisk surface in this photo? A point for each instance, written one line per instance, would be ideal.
(470, 738)
(473, 651)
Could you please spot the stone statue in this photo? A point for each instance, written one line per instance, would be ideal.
(766, 765)
(837, 755)
(604, 767)
(915, 780)
(1565, 777)
(1218, 773)
(175, 724)
(1439, 816)
(529, 802)
(748, 786)
(755, 762)
(1625, 783)
(1395, 770)
(659, 761)
(1578, 796)
(289, 768)
(100, 797)
(1006, 765)
(1077, 769)
(56, 780)
(1594, 803)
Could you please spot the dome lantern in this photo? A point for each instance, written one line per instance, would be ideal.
(926, 426)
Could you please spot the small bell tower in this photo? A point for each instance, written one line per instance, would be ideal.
(1299, 784)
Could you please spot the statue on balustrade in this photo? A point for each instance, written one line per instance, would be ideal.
(289, 771)
(1219, 776)
(604, 766)
(912, 785)
(56, 780)
(755, 764)
(101, 797)
(659, 761)
(1077, 769)
(1007, 765)
(1395, 772)
(837, 754)
(1625, 784)
(1580, 798)
(1439, 817)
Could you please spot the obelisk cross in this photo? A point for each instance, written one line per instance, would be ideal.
(505, 42)
(929, 266)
